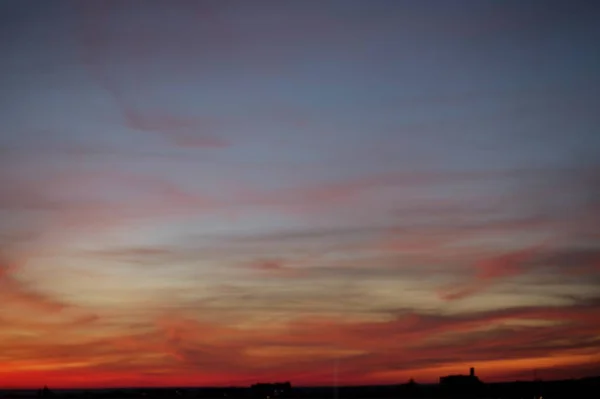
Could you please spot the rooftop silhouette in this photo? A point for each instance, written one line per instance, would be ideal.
(452, 386)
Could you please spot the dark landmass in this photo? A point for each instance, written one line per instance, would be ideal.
(574, 388)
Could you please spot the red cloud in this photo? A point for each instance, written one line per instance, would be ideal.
(504, 265)
(305, 349)
(277, 268)
(490, 269)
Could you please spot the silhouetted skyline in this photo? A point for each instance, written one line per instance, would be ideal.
(470, 387)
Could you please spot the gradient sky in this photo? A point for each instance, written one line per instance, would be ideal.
(225, 192)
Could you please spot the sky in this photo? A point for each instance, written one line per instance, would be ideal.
(226, 192)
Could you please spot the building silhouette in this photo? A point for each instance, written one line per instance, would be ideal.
(460, 384)
(271, 391)
(44, 393)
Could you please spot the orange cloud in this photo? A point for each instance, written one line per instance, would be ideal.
(410, 345)
(12, 292)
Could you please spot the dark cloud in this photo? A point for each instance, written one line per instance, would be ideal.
(574, 261)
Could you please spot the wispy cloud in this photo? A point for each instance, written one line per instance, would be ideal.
(184, 132)
(435, 341)
(490, 269)
(401, 207)
(278, 268)
(98, 38)
(15, 292)
(45, 312)
(67, 198)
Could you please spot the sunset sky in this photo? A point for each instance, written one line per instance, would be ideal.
(226, 192)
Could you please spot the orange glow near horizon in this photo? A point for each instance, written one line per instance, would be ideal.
(70, 377)
(178, 350)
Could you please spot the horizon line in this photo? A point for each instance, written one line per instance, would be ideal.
(293, 386)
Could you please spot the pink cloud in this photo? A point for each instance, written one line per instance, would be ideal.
(181, 131)
(278, 268)
(505, 265)
(98, 45)
(306, 347)
(74, 202)
(490, 269)
(350, 190)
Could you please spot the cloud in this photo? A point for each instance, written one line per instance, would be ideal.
(542, 259)
(490, 269)
(142, 255)
(24, 195)
(180, 131)
(570, 261)
(103, 46)
(84, 200)
(278, 268)
(96, 152)
(353, 282)
(504, 265)
(14, 292)
(410, 336)
(362, 189)
(25, 307)
(409, 344)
